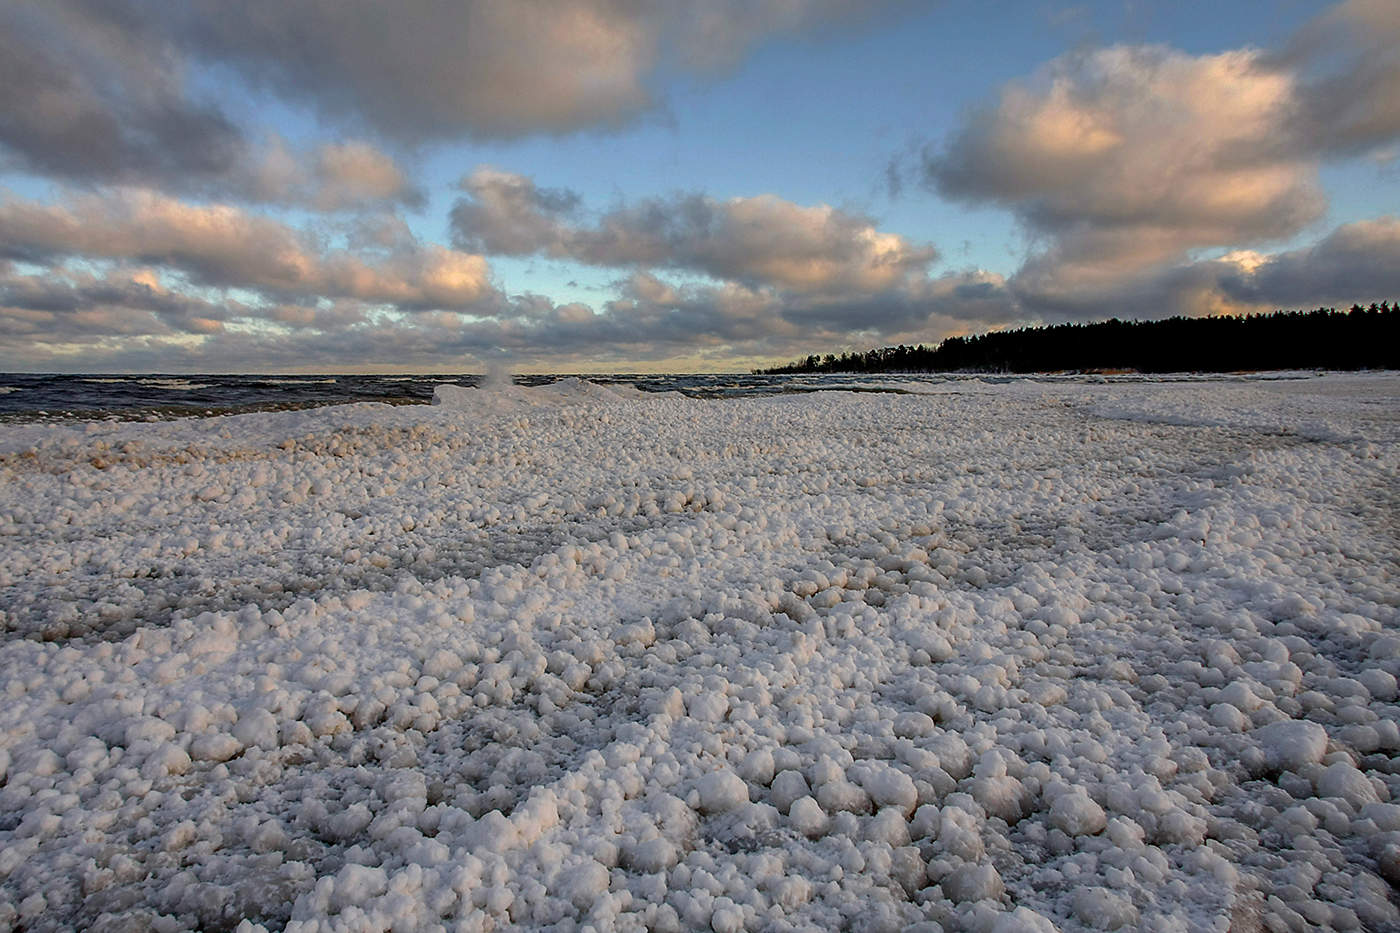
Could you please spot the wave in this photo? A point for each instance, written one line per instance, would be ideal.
(174, 385)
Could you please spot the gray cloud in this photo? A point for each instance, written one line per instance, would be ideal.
(758, 241)
(1356, 262)
(422, 69)
(67, 306)
(102, 92)
(91, 92)
(331, 177)
(87, 92)
(212, 284)
(1349, 62)
(127, 319)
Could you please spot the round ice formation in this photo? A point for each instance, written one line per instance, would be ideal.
(1103, 909)
(1075, 814)
(788, 786)
(807, 817)
(973, 883)
(721, 791)
(986, 654)
(1347, 782)
(583, 883)
(890, 787)
(1291, 744)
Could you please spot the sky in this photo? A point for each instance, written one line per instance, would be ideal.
(640, 185)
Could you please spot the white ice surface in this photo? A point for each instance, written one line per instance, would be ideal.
(1007, 656)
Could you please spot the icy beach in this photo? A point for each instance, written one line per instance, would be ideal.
(1015, 656)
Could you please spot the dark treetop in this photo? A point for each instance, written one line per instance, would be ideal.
(1361, 338)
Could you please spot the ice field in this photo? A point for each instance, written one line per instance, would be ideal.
(1005, 657)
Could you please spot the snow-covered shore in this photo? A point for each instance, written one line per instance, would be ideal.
(1003, 657)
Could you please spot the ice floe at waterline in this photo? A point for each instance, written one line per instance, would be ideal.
(1026, 657)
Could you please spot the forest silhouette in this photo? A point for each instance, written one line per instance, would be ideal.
(1358, 338)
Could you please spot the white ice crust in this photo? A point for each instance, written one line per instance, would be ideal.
(1000, 655)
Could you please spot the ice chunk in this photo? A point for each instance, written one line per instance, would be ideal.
(214, 746)
(1386, 816)
(842, 795)
(757, 767)
(357, 884)
(1004, 797)
(582, 883)
(888, 826)
(1023, 920)
(707, 707)
(1103, 909)
(807, 817)
(727, 917)
(972, 883)
(721, 791)
(1074, 813)
(890, 787)
(1290, 744)
(168, 758)
(1379, 683)
(652, 855)
(913, 725)
(788, 786)
(1345, 781)
(256, 727)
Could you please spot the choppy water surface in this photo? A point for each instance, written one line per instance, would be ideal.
(47, 397)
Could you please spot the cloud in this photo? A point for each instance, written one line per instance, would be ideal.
(65, 318)
(1137, 153)
(87, 92)
(67, 304)
(424, 69)
(91, 92)
(1122, 163)
(1349, 57)
(332, 177)
(224, 246)
(116, 91)
(1356, 262)
(756, 241)
(130, 275)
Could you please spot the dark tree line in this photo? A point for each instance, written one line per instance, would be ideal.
(1360, 338)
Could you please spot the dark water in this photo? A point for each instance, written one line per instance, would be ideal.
(31, 397)
(154, 397)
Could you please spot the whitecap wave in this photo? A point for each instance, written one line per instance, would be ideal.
(173, 385)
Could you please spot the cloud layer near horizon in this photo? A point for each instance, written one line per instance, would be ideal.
(248, 281)
(175, 235)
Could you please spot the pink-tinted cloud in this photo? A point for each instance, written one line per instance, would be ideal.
(1142, 152)
(226, 246)
(758, 241)
(1123, 162)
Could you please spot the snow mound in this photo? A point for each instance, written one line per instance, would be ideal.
(514, 398)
